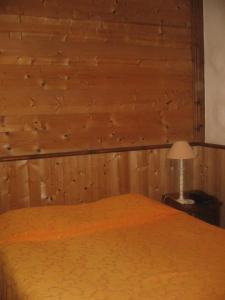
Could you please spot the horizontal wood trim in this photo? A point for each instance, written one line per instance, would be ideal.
(100, 151)
(208, 145)
(86, 152)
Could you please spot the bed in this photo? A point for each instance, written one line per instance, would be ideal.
(118, 248)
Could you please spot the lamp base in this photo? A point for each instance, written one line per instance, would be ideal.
(185, 201)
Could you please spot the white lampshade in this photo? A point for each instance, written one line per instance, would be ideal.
(181, 150)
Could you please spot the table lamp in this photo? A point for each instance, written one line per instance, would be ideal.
(181, 150)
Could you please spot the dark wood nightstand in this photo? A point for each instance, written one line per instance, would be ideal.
(206, 207)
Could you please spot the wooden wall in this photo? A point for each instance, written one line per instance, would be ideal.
(95, 74)
(87, 74)
(74, 179)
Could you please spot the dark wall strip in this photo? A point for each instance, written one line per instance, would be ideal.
(86, 152)
(198, 70)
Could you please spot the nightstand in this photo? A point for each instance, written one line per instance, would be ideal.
(206, 207)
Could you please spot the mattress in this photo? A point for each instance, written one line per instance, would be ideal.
(126, 247)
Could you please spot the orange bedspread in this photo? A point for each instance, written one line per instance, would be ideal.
(119, 248)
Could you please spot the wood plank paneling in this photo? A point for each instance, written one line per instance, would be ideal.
(86, 75)
(172, 12)
(79, 75)
(74, 179)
